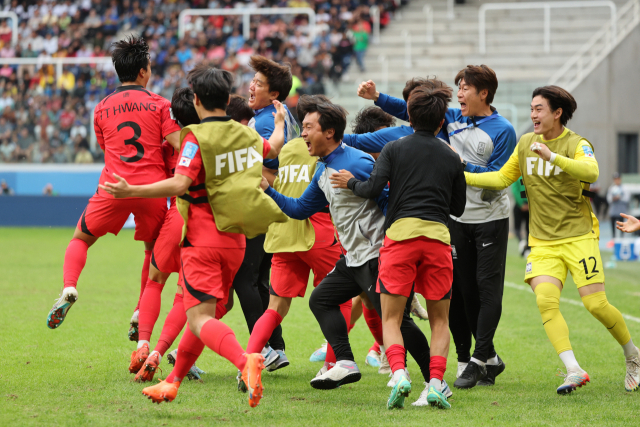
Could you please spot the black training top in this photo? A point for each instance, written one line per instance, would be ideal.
(426, 179)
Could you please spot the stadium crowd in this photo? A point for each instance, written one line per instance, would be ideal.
(46, 118)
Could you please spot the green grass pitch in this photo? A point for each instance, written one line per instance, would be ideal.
(77, 375)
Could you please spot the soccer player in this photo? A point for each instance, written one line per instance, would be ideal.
(427, 185)
(557, 165)
(220, 164)
(359, 225)
(298, 246)
(272, 82)
(130, 125)
(479, 238)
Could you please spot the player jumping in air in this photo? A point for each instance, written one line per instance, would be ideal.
(426, 186)
(557, 165)
(130, 125)
(220, 164)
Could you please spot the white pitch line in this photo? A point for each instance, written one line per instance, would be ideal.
(567, 300)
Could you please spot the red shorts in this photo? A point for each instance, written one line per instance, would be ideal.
(166, 251)
(103, 215)
(427, 262)
(208, 273)
(290, 270)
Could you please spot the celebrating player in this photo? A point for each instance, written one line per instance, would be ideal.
(130, 125)
(426, 186)
(272, 82)
(220, 163)
(359, 225)
(479, 238)
(554, 162)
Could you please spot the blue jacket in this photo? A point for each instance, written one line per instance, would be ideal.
(359, 221)
(486, 148)
(263, 124)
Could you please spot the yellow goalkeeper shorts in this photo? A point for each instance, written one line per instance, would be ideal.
(581, 258)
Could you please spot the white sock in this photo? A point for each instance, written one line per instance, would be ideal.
(493, 361)
(477, 362)
(436, 383)
(630, 349)
(569, 360)
(159, 355)
(398, 373)
(141, 343)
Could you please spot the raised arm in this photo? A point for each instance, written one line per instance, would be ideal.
(583, 166)
(395, 106)
(374, 142)
(276, 140)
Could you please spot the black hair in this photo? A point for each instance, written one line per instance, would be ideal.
(238, 109)
(427, 107)
(558, 98)
(129, 56)
(182, 107)
(212, 86)
(332, 116)
(371, 119)
(278, 76)
(481, 77)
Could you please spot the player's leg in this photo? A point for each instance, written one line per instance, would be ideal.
(464, 254)
(262, 330)
(584, 261)
(133, 329)
(336, 288)
(392, 311)
(484, 307)
(439, 323)
(276, 341)
(101, 216)
(376, 357)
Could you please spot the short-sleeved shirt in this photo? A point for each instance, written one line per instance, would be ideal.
(130, 125)
(170, 157)
(201, 229)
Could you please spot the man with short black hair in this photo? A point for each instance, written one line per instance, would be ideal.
(130, 125)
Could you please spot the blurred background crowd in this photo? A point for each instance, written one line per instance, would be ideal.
(47, 118)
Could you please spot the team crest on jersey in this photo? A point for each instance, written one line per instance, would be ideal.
(190, 150)
(184, 161)
(481, 146)
(529, 268)
(454, 254)
(588, 152)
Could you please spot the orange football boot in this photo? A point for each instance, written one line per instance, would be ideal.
(149, 368)
(162, 392)
(252, 377)
(138, 357)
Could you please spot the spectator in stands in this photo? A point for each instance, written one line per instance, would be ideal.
(618, 197)
(361, 42)
(5, 190)
(83, 155)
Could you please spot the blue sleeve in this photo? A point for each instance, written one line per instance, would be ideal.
(449, 117)
(265, 128)
(373, 142)
(395, 106)
(503, 146)
(312, 200)
(383, 200)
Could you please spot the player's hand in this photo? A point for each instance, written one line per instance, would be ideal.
(632, 224)
(280, 113)
(264, 184)
(542, 150)
(367, 90)
(118, 189)
(340, 179)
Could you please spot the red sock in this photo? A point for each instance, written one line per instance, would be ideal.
(145, 276)
(221, 310)
(345, 309)
(149, 309)
(396, 355)
(437, 366)
(375, 347)
(374, 323)
(221, 339)
(74, 260)
(189, 349)
(262, 330)
(176, 319)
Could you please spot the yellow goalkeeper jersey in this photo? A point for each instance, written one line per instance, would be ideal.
(559, 213)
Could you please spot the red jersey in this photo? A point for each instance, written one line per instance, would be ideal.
(130, 125)
(201, 229)
(170, 157)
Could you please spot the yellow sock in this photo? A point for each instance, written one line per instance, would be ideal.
(608, 315)
(548, 300)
